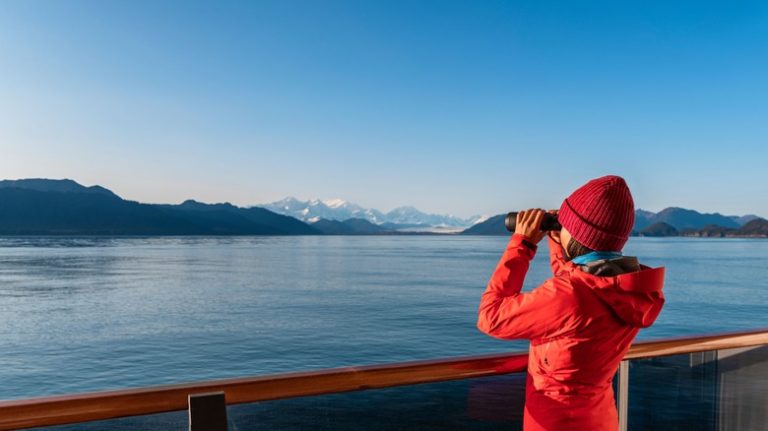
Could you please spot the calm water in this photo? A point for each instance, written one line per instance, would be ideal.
(82, 314)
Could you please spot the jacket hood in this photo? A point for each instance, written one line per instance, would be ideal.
(634, 293)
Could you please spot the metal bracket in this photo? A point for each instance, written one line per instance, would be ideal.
(207, 412)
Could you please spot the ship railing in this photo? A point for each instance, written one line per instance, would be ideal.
(713, 379)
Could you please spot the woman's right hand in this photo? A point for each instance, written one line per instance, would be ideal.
(528, 223)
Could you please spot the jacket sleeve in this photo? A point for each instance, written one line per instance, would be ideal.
(507, 313)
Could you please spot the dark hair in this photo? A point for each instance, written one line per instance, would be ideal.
(576, 248)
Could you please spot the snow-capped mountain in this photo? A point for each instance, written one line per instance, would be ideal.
(339, 209)
(316, 209)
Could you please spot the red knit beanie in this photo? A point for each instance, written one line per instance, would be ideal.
(600, 214)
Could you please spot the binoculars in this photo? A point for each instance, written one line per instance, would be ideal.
(548, 223)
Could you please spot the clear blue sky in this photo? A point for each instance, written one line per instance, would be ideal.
(453, 107)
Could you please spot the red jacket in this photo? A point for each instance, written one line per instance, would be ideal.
(580, 326)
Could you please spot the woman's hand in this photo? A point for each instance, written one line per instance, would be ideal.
(528, 223)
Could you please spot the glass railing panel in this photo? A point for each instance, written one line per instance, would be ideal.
(488, 403)
(721, 390)
(743, 389)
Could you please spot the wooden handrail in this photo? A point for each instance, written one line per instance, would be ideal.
(66, 409)
(697, 343)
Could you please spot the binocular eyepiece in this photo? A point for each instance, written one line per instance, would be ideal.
(548, 223)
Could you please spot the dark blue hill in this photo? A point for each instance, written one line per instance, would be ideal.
(682, 219)
(492, 226)
(63, 207)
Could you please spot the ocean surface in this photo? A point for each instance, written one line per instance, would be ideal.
(84, 314)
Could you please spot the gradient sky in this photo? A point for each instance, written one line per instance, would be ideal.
(453, 107)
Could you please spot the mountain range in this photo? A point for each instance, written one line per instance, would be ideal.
(683, 219)
(755, 228)
(64, 207)
(646, 223)
(406, 218)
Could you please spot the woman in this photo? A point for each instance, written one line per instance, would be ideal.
(581, 321)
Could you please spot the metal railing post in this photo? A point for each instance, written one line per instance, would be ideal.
(623, 395)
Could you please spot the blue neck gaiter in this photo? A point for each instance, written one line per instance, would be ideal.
(595, 255)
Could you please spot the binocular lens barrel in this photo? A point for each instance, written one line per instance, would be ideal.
(548, 223)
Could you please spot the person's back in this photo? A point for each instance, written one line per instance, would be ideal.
(580, 322)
